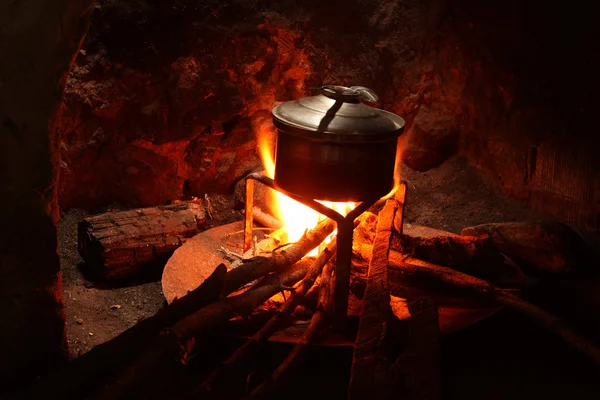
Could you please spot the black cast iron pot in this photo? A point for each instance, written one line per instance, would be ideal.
(334, 147)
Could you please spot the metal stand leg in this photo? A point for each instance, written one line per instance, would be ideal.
(345, 231)
(249, 204)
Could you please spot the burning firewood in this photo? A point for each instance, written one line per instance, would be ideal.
(262, 265)
(318, 324)
(279, 320)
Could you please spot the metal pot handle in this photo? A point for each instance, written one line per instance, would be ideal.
(365, 94)
(350, 94)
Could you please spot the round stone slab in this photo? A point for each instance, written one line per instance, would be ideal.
(198, 257)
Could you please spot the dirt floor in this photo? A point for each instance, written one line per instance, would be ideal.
(450, 198)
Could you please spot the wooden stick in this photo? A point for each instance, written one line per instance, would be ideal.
(499, 295)
(277, 321)
(266, 219)
(372, 376)
(318, 323)
(91, 369)
(170, 341)
(261, 266)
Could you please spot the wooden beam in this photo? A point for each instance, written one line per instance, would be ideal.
(370, 375)
(397, 345)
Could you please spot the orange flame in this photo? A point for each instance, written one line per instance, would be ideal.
(296, 217)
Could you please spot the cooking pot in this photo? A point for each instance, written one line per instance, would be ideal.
(334, 147)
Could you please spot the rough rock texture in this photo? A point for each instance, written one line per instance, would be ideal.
(550, 247)
(37, 43)
(166, 98)
(530, 88)
(432, 139)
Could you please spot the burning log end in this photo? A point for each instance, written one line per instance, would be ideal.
(247, 272)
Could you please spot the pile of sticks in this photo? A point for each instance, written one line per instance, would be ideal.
(117, 368)
(169, 334)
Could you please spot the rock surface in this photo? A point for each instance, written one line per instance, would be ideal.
(550, 247)
(38, 42)
(192, 263)
(431, 140)
(166, 98)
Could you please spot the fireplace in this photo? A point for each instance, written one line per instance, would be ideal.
(139, 128)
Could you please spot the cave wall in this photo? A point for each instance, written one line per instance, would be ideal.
(165, 99)
(529, 101)
(38, 41)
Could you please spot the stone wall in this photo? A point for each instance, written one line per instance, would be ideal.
(37, 46)
(165, 99)
(529, 101)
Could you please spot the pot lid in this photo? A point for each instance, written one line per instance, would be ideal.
(338, 114)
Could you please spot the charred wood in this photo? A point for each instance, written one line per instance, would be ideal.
(260, 266)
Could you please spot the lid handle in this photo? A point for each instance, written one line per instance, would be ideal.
(353, 94)
(365, 94)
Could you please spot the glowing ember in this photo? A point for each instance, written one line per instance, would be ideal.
(297, 218)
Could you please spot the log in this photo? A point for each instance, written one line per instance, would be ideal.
(370, 376)
(120, 245)
(472, 255)
(266, 219)
(382, 334)
(475, 255)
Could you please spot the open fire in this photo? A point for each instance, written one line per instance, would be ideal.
(296, 217)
